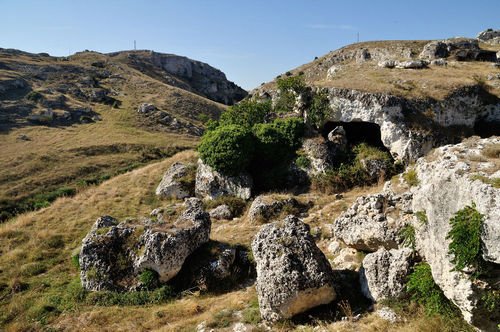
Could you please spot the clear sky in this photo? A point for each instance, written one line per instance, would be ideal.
(251, 41)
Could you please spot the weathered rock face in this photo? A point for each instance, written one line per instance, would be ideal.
(319, 154)
(446, 185)
(293, 275)
(114, 254)
(145, 108)
(170, 185)
(464, 49)
(374, 221)
(383, 274)
(265, 208)
(487, 35)
(204, 79)
(211, 184)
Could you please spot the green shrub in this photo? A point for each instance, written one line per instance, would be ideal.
(424, 290)
(408, 236)
(203, 118)
(422, 217)
(319, 109)
(251, 315)
(228, 149)
(466, 244)
(491, 300)
(149, 278)
(247, 113)
(411, 177)
(303, 162)
(34, 96)
(33, 269)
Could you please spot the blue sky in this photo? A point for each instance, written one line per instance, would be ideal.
(251, 41)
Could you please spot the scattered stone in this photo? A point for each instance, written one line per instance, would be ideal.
(145, 108)
(383, 274)
(293, 275)
(387, 314)
(170, 184)
(113, 254)
(375, 168)
(334, 247)
(211, 184)
(439, 62)
(413, 64)
(264, 208)
(347, 259)
(363, 55)
(332, 71)
(221, 212)
(387, 64)
(23, 138)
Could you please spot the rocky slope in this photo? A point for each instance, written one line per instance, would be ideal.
(417, 105)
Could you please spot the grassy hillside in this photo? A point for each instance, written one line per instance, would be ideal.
(435, 82)
(39, 283)
(41, 161)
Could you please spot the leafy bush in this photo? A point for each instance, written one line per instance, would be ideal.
(422, 217)
(228, 149)
(246, 114)
(34, 96)
(288, 87)
(424, 290)
(318, 109)
(149, 278)
(465, 235)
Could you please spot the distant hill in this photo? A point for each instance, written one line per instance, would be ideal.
(67, 122)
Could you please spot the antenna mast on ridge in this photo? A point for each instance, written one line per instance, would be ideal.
(357, 37)
(134, 46)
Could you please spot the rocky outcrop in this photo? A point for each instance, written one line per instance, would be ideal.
(113, 254)
(203, 78)
(221, 212)
(265, 208)
(170, 184)
(293, 275)
(488, 35)
(451, 178)
(383, 274)
(145, 108)
(374, 221)
(211, 184)
(319, 154)
(464, 49)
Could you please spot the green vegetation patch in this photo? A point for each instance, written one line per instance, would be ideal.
(466, 243)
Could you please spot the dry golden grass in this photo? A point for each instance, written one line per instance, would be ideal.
(434, 82)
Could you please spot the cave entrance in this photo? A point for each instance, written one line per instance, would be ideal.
(358, 132)
(485, 129)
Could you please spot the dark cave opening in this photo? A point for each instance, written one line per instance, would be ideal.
(485, 129)
(358, 132)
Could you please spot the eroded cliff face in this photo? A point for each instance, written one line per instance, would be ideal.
(200, 77)
(409, 128)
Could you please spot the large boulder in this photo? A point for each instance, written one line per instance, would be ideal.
(113, 254)
(319, 154)
(146, 108)
(293, 275)
(221, 212)
(383, 274)
(374, 221)
(170, 184)
(211, 184)
(449, 179)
